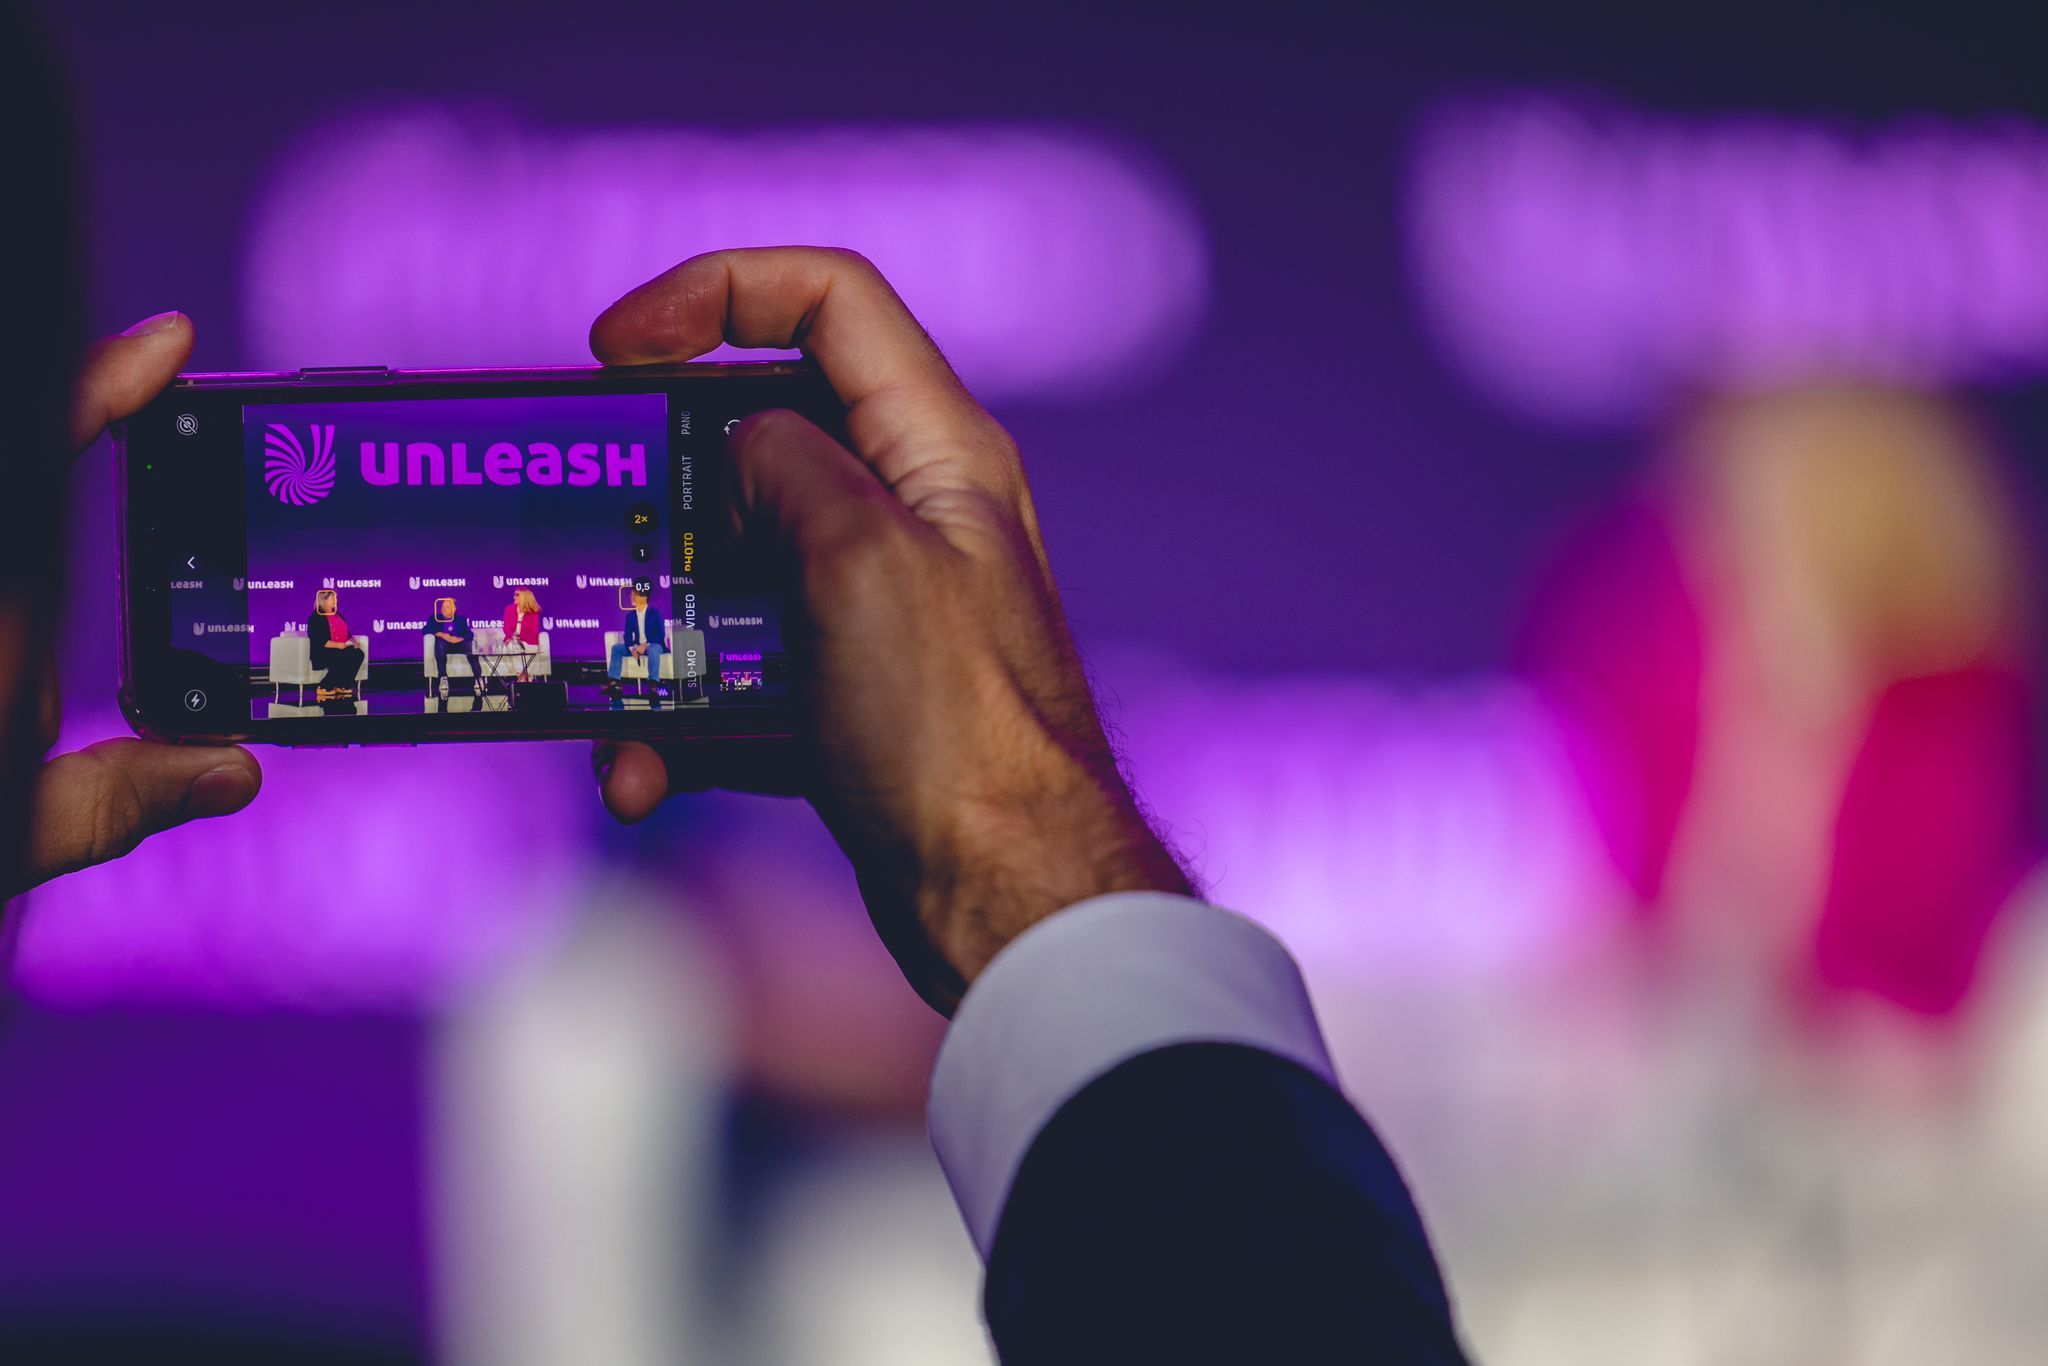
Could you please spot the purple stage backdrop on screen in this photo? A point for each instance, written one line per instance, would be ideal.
(397, 505)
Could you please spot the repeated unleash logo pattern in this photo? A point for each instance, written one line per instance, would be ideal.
(292, 474)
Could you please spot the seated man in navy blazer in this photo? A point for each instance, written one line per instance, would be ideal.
(1134, 1104)
(452, 635)
(645, 630)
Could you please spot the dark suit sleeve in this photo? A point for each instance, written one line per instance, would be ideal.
(1212, 1202)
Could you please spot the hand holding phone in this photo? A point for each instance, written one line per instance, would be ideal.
(948, 735)
(98, 803)
(311, 557)
(935, 709)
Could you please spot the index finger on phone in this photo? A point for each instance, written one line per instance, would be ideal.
(906, 409)
(125, 371)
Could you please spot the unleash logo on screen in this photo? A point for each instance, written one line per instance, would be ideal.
(302, 475)
(292, 474)
(579, 465)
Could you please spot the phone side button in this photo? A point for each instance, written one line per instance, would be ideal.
(315, 374)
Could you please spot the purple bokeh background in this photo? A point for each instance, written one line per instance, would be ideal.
(162, 1187)
(1292, 534)
(1587, 263)
(1051, 265)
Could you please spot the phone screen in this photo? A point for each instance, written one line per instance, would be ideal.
(441, 560)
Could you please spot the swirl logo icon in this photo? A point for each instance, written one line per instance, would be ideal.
(293, 474)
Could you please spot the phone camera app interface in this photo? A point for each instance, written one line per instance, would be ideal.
(481, 555)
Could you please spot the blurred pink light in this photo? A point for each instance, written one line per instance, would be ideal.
(1582, 262)
(1048, 264)
(1382, 834)
(373, 878)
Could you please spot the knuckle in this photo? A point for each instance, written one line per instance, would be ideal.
(850, 261)
(995, 455)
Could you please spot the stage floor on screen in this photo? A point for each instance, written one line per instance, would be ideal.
(461, 700)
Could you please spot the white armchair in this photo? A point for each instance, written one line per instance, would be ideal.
(291, 661)
(633, 666)
(458, 665)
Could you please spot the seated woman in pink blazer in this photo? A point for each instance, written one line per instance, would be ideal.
(522, 624)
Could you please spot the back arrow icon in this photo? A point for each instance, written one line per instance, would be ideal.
(191, 561)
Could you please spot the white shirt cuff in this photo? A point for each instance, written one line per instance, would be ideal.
(1084, 991)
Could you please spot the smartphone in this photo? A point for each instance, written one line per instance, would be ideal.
(359, 555)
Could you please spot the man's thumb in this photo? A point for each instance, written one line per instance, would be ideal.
(99, 802)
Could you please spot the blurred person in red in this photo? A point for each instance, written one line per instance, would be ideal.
(1797, 675)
